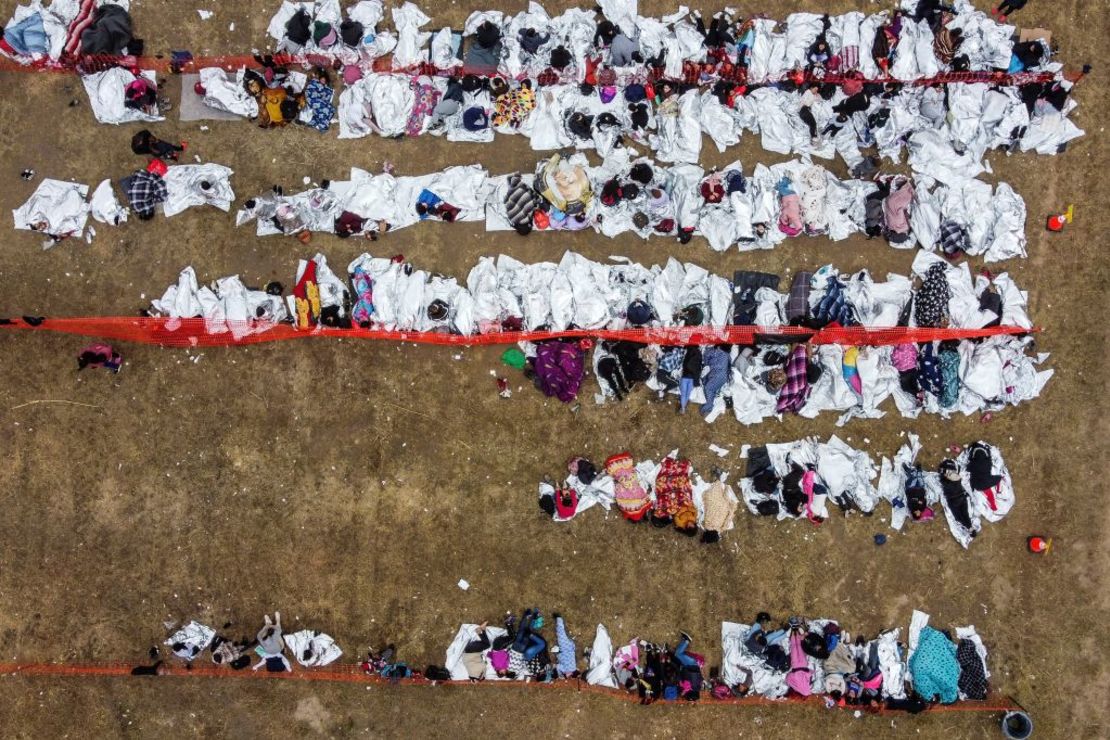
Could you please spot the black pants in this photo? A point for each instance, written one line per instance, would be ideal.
(610, 370)
(1005, 8)
(165, 150)
(717, 35)
(806, 115)
(479, 645)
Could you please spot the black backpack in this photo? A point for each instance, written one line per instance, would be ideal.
(768, 507)
(298, 28)
(351, 33)
(814, 645)
(776, 658)
(437, 673)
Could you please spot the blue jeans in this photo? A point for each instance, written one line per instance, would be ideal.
(681, 656)
(685, 388)
(536, 645)
(774, 637)
(523, 631)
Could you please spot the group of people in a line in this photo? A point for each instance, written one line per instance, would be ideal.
(758, 379)
(798, 658)
(580, 81)
(637, 195)
(269, 649)
(795, 480)
(589, 82)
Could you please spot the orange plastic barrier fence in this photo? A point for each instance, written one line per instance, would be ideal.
(96, 62)
(353, 673)
(169, 332)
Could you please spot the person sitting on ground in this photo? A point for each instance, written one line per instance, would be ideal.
(566, 502)
(271, 646)
(720, 508)
(141, 95)
(230, 653)
(955, 495)
(609, 370)
(157, 668)
(631, 497)
(484, 53)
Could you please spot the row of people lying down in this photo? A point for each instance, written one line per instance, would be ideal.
(817, 656)
(272, 94)
(637, 195)
(755, 382)
(915, 40)
(60, 209)
(271, 646)
(798, 658)
(503, 293)
(793, 480)
(947, 128)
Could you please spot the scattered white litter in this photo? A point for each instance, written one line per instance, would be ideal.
(204, 14)
(464, 584)
(719, 451)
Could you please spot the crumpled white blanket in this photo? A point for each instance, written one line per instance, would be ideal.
(184, 190)
(192, 635)
(106, 96)
(227, 95)
(987, 42)
(892, 483)
(993, 372)
(226, 305)
(835, 208)
(105, 207)
(893, 660)
(56, 208)
(600, 670)
(466, 633)
(320, 648)
(979, 118)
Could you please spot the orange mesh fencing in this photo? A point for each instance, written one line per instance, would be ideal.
(85, 64)
(353, 673)
(170, 332)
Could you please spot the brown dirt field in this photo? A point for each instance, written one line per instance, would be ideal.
(351, 484)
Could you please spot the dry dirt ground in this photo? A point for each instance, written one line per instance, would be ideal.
(351, 484)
